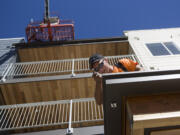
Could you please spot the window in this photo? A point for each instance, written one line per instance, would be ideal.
(172, 47)
(164, 48)
(157, 49)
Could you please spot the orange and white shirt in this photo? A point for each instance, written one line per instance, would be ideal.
(128, 64)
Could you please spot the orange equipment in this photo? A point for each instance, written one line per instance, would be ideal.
(51, 29)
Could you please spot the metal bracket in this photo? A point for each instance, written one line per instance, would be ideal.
(69, 131)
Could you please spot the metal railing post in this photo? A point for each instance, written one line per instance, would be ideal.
(73, 74)
(70, 129)
(6, 72)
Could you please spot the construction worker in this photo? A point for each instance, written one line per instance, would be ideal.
(99, 64)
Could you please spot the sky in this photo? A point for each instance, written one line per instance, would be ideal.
(92, 18)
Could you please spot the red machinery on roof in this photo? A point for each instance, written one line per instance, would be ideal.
(50, 29)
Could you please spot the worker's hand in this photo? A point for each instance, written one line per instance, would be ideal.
(97, 76)
(139, 68)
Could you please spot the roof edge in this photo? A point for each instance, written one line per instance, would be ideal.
(55, 43)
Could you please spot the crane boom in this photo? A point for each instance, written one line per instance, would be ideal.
(46, 4)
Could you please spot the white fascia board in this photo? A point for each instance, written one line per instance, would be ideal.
(12, 38)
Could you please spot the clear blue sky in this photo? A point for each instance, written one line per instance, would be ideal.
(93, 18)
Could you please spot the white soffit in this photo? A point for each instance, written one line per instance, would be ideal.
(138, 39)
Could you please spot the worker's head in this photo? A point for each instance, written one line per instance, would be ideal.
(98, 63)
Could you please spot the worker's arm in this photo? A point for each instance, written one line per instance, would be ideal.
(98, 89)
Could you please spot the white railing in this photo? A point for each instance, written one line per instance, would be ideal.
(51, 113)
(67, 66)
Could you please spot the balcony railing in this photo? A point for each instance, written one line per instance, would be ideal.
(53, 67)
(52, 113)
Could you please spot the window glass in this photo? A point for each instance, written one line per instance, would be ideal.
(157, 49)
(172, 47)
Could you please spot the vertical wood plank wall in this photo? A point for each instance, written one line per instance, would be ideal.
(28, 92)
(2, 101)
(72, 51)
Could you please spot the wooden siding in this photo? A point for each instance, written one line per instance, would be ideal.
(152, 112)
(29, 92)
(72, 51)
(167, 132)
(1, 98)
